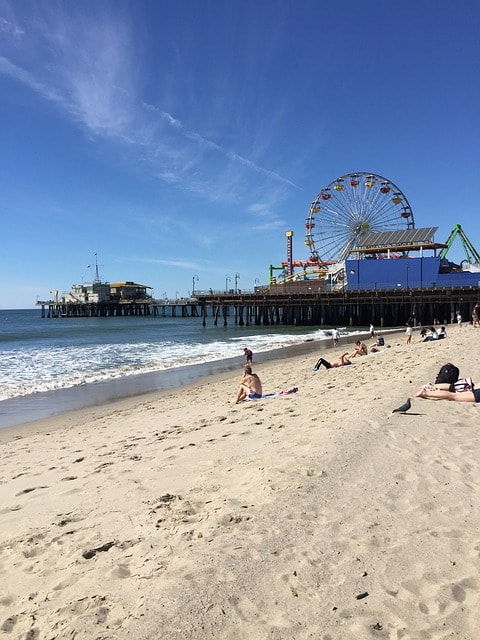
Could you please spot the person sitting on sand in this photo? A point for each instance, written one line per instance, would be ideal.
(250, 386)
(442, 333)
(379, 342)
(441, 391)
(430, 335)
(341, 362)
(360, 349)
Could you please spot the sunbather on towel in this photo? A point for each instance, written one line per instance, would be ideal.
(250, 386)
(341, 362)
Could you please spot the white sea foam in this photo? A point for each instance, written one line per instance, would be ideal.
(34, 369)
(37, 369)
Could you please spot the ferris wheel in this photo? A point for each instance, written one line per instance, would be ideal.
(349, 208)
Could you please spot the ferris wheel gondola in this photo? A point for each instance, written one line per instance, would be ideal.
(349, 208)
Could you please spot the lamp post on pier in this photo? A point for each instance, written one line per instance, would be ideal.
(237, 278)
(227, 280)
(194, 279)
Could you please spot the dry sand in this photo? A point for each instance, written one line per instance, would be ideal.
(316, 515)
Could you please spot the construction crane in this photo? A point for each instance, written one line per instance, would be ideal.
(471, 254)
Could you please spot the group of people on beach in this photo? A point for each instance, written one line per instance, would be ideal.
(428, 335)
(458, 390)
(360, 349)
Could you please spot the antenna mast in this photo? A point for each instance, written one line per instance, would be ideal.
(97, 275)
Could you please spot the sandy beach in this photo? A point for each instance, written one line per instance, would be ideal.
(315, 515)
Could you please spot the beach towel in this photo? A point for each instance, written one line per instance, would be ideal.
(283, 392)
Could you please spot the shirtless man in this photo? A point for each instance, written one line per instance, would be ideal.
(360, 349)
(250, 386)
(341, 362)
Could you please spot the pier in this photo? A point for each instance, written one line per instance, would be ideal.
(111, 308)
(291, 304)
(297, 303)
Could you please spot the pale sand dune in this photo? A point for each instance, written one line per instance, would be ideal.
(187, 516)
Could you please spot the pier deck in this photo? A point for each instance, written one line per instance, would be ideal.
(294, 306)
(291, 304)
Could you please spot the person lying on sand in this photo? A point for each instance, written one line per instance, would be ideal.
(250, 386)
(340, 362)
(465, 392)
(379, 342)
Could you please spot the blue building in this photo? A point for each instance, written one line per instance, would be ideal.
(385, 260)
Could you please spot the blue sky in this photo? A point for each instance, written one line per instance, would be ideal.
(182, 139)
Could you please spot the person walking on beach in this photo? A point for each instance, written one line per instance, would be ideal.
(409, 333)
(476, 316)
(372, 330)
(248, 356)
(335, 337)
(409, 330)
(250, 386)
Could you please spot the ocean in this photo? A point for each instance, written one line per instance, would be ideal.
(52, 365)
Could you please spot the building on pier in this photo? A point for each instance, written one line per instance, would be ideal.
(384, 260)
(104, 299)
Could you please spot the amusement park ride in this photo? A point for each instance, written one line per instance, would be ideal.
(362, 217)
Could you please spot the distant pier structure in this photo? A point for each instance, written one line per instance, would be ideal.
(175, 308)
(105, 299)
(302, 303)
(307, 303)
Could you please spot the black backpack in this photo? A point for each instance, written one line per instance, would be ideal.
(448, 373)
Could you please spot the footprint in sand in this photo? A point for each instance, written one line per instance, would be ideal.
(15, 507)
(30, 489)
(8, 624)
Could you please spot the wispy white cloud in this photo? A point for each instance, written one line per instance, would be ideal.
(264, 219)
(81, 65)
(166, 262)
(270, 225)
(210, 145)
(88, 69)
(11, 29)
